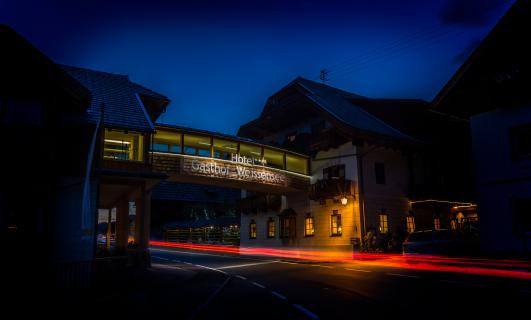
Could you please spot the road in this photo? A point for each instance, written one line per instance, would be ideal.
(266, 288)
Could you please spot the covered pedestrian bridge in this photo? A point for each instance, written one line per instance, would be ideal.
(196, 156)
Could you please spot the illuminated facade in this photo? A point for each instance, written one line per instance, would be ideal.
(370, 161)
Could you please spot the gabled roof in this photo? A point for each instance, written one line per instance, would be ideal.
(28, 73)
(496, 74)
(341, 105)
(123, 107)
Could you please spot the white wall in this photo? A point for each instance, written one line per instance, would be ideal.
(391, 196)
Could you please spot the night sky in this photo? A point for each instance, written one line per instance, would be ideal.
(218, 61)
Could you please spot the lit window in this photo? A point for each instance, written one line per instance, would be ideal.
(437, 223)
(271, 228)
(335, 224)
(410, 224)
(308, 227)
(383, 223)
(453, 224)
(252, 230)
(167, 141)
(252, 152)
(223, 149)
(119, 145)
(296, 164)
(274, 158)
(197, 145)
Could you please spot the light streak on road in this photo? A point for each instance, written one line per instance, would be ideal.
(477, 266)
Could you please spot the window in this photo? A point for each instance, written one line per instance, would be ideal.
(334, 172)
(274, 158)
(252, 230)
(271, 228)
(308, 226)
(520, 141)
(335, 224)
(167, 141)
(383, 223)
(522, 217)
(410, 224)
(223, 149)
(437, 223)
(453, 224)
(287, 227)
(379, 171)
(251, 151)
(296, 164)
(121, 145)
(197, 145)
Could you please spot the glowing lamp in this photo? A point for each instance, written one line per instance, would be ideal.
(344, 201)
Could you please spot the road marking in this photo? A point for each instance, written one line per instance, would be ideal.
(201, 266)
(161, 258)
(465, 283)
(246, 265)
(402, 275)
(229, 256)
(358, 270)
(165, 266)
(287, 262)
(241, 277)
(258, 285)
(319, 265)
(306, 311)
(278, 295)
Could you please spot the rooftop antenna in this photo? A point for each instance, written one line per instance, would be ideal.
(322, 75)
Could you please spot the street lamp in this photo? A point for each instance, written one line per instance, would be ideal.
(344, 201)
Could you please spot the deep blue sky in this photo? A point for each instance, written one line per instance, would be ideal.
(218, 61)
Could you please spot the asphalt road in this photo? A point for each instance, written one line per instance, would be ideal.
(234, 287)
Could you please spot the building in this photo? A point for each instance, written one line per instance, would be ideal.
(42, 170)
(491, 90)
(382, 165)
(79, 142)
(124, 113)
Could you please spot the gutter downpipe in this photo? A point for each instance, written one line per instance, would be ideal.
(86, 210)
(361, 196)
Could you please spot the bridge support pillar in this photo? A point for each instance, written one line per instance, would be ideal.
(122, 225)
(142, 226)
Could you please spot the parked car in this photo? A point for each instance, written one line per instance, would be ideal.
(431, 242)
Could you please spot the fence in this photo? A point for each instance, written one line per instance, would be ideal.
(211, 235)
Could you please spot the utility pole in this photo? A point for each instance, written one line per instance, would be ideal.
(322, 75)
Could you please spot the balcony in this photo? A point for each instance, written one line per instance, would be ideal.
(263, 202)
(326, 139)
(331, 188)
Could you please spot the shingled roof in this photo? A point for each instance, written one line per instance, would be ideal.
(341, 104)
(123, 107)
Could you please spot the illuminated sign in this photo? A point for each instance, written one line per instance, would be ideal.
(238, 168)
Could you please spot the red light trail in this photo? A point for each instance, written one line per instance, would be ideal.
(518, 269)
